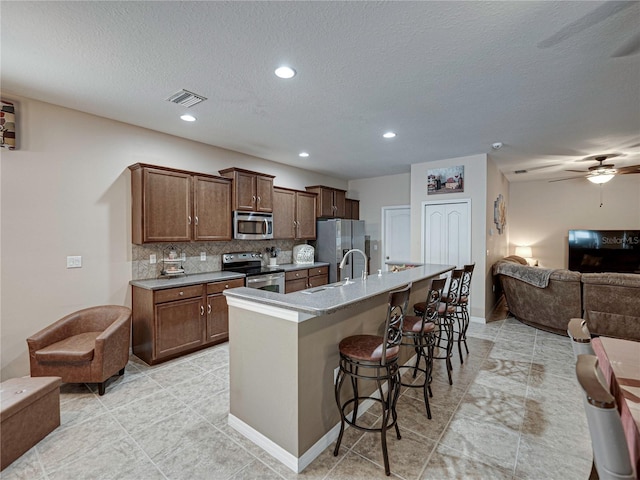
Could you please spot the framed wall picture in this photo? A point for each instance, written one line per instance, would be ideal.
(7, 125)
(445, 180)
(500, 214)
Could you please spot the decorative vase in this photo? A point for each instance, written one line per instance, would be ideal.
(273, 261)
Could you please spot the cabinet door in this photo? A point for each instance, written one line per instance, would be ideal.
(245, 191)
(179, 326)
(325, 203)
(317, 280)
(212, 209)
(339, 201)
(264, 194)
(355, 209)
(305, 216)
(217, 318)
(295, 285)
(284, 206)
(166, 206)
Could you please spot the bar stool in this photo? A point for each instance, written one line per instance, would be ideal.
(374, 358)
(418, 332)
(444, 332)
(461, 302)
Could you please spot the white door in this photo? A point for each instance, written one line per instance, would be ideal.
(446, 232)
(396, 234)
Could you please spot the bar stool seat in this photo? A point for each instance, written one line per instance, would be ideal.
(418, 332)
(374, 358)
(366, 348)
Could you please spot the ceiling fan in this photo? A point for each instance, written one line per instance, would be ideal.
(602, 173)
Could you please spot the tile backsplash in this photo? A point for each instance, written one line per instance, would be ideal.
(143, 269)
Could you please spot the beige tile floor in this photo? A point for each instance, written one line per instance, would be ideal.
(513, 412)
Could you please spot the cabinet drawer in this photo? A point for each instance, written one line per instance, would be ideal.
(296, 285)
(319, 271)
(318, 280)
(218, 287)
(171, 294)
(295, 274)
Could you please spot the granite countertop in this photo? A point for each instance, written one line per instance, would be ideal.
(288, 267)
(326, 299)
(194, 279)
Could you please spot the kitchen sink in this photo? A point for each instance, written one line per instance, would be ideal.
(329, 286)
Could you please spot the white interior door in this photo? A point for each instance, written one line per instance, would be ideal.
(396, 234)
(446, 232)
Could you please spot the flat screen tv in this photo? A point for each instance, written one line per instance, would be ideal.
(604, 251)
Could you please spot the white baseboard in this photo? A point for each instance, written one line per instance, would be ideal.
(298, 464)
(477, 319)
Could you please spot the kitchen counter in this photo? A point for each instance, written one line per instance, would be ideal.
(283, 354)
(289, 267)
(327, 299)
(183, 281)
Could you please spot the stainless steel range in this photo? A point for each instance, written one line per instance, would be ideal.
(257, 275)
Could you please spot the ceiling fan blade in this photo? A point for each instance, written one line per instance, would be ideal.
(577, 171)
(563, 179)
(531, 169)
(592, 18)
(629, 169)
(629, 48)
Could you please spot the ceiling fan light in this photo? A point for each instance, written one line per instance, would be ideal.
(601, 178)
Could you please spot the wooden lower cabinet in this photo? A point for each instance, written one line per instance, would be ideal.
(170, 322)
(296, 280)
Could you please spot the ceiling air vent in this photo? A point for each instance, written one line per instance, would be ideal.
(186, 98)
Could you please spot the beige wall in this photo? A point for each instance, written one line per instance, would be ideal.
(497, 243)
(541, 213)
(375, 193)
(66, 192)
(475, 188)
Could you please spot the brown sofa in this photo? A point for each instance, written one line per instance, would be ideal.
(547, 307)
(610, 302)
(87, 346)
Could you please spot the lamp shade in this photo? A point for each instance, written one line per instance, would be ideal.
(524, 252)
(600, 178)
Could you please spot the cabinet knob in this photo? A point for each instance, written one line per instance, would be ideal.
(181, 293)
(258, 198)
(209, 308)
(201, 310)
(189, 217)
(226, 286)
(253, 198)
(196, 220)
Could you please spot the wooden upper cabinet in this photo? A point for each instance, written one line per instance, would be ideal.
(212, 208)
(252, 191)
(294, 214)
(306, 215)
(352, 209)
(171, 205)
(284, 217)
(331, 201)
(161, 205)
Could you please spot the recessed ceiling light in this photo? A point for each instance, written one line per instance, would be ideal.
(389, 134)
(188, 118)
(303, 154)
(285, 72)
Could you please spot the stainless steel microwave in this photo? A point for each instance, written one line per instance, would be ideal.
(252, 225)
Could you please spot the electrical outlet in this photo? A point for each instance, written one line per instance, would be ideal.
(152, 258)
(74, 261)
(203, 256)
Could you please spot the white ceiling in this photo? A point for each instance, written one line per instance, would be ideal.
(450, 78)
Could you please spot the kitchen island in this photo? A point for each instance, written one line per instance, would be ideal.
(283, 355)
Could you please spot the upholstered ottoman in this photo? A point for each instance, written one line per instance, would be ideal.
(30, 410)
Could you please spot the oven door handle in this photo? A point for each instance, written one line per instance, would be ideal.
(264, 278)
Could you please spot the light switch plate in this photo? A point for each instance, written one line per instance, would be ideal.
(203, 256)
(152, 258)
(74, 261)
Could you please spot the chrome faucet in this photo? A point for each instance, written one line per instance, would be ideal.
(344, 261)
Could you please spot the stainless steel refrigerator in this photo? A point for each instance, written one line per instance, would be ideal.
(335, 237)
